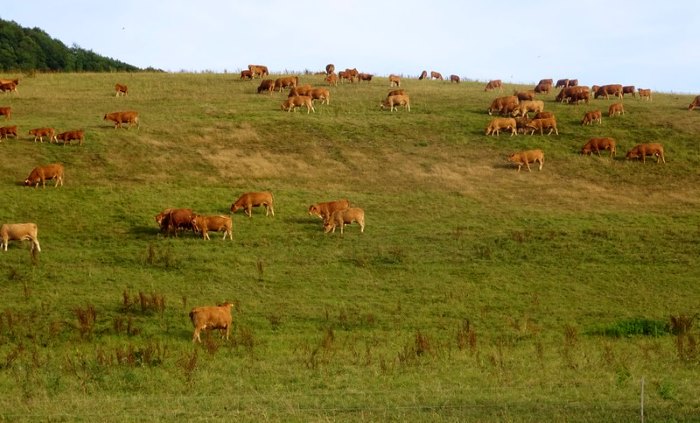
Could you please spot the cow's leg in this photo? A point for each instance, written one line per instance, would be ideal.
(541, 163)
(527, 163)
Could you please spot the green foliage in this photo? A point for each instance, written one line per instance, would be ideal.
(633, 327)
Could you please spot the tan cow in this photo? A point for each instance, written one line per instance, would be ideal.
(496, 124)
(302, 90)
(249, 200)
(526, 157)
(503, 105)
(6, 131)
(204, 224)
(695, 103)
(258, 70)
(591, 117)
(454, 78)
(292, 103)
(19, 232)
(400, 91)
(211, 317)
(542, 124)
(616, 109)
(120, 118)
(120, 89)
(6, 111)
(526, 106)
(644, 94)
(321, 94)
(394, 80)
(286, 82)
(340, 218)
(69, 136)
(40, 133)
(493, 84)
(266, 85)
(395, 101)
(45, 173)
(325, 209)
(332, 79)
(640, 151)
(598, 144)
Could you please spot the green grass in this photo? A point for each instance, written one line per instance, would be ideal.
(476, 293)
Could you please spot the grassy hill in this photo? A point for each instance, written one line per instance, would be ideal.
(476, 293)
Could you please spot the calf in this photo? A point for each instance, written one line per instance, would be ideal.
(249, 200)
(44, 173)
(454, 78)
(493, 84)
(340, 218)
(436, 75)
(120, 118)
(40, 133)
(211, 317)
(204, 224)
(321, 94)
(246, 74)
(6, 111)
(394, 81)
(591, 117)
(644, 94)
(326, 209)
(266, 85)
(5, 131)
(496, 124)
(19, 232)
(69, 136)
(292, 103)
(542, 124)
(526, 157)
(120, 89)
(394, 101)
(640, 151)
(616, 109)
(597, 144)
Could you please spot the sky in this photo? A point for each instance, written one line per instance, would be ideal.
(649, 44)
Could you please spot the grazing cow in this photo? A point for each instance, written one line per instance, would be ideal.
(120, 118)
(249, 200)
(695, 103)
(246, 74)
(345, 75)
(549, 81)
(628, 89)
(493, 84)
(526, 157)
(303, 90)
(524, 95)
(591, 117)
(326, 209)
(542, 124)
(521, 124)
(436, 75)
(162, 219)
(608, 90)
(616, 109)
(258, 70)
(394, 101)
(286, 82)
(45, 173)
(572, 83)
(321, 94)
(423, 75)
(543, 88)
(578, 96)
(332, 79)
(562, 83)
(354, 73)
(69, 136)
(120, 89)
(567, 94)
(6, 111)
(400, 91)
(503, 105)
(454, 78)
(5, 131)
(204, 224)
(543, 115)
(19, 232)
(364, 77)
(496, 124)
(211, 317)
(640, 151)
(173, 220)
(524, 107)
(330, 68)
(597, 144)
(644, 94)
(394, 81)
(340, 218)
(40, 133)
(266, 85)
(292, 103)
(8, 87)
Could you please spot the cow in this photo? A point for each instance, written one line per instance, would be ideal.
(340, 218)
(332, 79)
(436, 75)
(40, 133)
(162, 219)
(496, 124)
(394, 80)
(321, 94)
(572, 83)
(8, 81)
(69, 136)
(246, 74)
(543, 115)
(616, 109)
(172, 220)
(5, 131)
(579, 92)
(120, 89)
(493, 84)
(629, 89)
(119, 118)
(521, 124)
(608, 90)
(524, 95)
(330, 68)
(591, 117)
(541, 125)
(266, 85)
(6, 111)
(292, 103)
(640, 151)
(211, 317)
(644, 94)
(286, 82)
(562, 83)
(597, 144)
(45, 173)
(695, 103)
(303, 90)
(543, 88)
(249, 200)
(354, 73)
(524, 107)
(454, 78)
(8, 87)
(344, 75)
(577, 96)
(258, 70)
(549, 81)
(394, 101)
(400, 91)
(325, 209)
(364, 77)
(19, 232)
(503, 105)
(204, 224)
(423, 75)
(526, 157)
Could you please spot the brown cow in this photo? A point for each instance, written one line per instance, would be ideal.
(249, 200)
(325, 209)
(496, 124)
(6, 111)
(258, 70)
(562, 83)
(292, 103)
(591, 117)
(579, 92)
(343, 75)
(543, 88)
(8, 87)
(45, 173)
(542, 124)
(40, 133)
(340, 218)
(526, 157)
(69, 136)
(266, 85)
(493, 84)
(120, 118)
(173, 220)
(628, 89)
(211, 317)
(246, 74)
(572, 83)
(286, 82)
(577, 96)
(695, 103)
(640, 151)
(597, 144)
(524, 107)
(394, 101)
(436, 75)
(330, 68)
(303, 90)
(204, 224)
(5, 131)
(364, 77)
(454, 78)
(608, 90)
(524, 95)
(423, 75)
(19, 232)
(120, 89)
(8, 81)
(400, 91)
(644, 94)
(394, 80)
(616, 109)
(321, 94)
(543, 115)
(503, 105)
(549, 81)
(332, 79)
(521, 124)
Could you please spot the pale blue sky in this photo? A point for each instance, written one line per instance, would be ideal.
(650, 44)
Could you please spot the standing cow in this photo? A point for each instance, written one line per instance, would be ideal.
(19, 232)
(249, 200)
(211, 317)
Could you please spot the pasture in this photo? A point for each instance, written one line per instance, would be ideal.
(475, 293)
